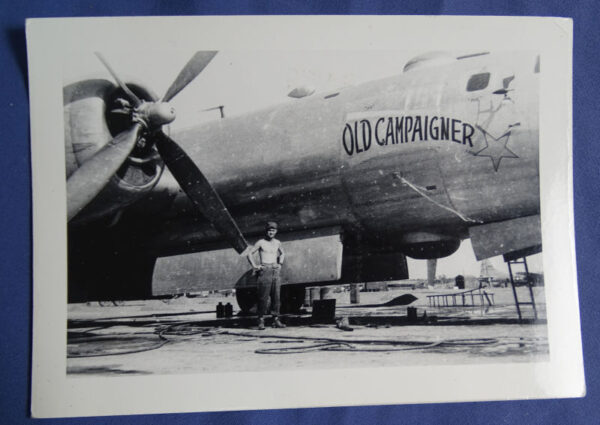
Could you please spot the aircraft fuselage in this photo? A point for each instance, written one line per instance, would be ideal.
(407, 165)
(431, 150)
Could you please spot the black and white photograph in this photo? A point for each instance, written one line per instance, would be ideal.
(356, 212)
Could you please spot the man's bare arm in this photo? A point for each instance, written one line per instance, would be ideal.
(251, 256)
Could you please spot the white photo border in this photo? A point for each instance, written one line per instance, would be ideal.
(56, 395)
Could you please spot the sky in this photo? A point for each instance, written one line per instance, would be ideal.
(244, 81)
(463, 262)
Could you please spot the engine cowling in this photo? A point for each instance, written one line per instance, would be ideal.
(429, 246)
(94, 113)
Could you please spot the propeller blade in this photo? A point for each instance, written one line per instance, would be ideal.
(200, 191)
(136, 100)
(190, 71)
(91, 177)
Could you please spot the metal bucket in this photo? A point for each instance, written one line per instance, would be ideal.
(314, 295)
(326, 293)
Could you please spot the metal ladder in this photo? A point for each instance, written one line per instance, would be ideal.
(518, 304)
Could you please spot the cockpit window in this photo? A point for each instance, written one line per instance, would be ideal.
(478, 81)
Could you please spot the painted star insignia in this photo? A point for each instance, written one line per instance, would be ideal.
(495, 148)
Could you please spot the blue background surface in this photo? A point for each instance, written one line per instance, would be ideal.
(16, 234)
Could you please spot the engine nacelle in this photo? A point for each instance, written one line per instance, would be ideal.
(428, 246)
(94, 113)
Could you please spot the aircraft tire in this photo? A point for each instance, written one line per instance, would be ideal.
(292, 298)
(246, 299)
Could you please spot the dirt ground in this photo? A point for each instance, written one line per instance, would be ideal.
(183, 335)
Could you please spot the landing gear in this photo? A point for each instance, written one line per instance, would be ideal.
(292, 297)
(246, 299)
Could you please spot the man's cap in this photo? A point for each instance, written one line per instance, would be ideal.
(271, 225)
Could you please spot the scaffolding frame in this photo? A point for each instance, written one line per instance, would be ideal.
(528, 282)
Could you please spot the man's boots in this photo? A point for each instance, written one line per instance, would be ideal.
(261, 324)
(277, 323)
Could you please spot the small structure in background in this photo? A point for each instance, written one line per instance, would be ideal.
(376, 286)
(354, 293)
(470, 298)
(221, 109)
(534, 279)
(431, 271)
(460, 281)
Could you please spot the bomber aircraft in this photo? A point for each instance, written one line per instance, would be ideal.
(357, 178)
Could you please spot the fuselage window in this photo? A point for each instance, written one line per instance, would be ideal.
(478, 81)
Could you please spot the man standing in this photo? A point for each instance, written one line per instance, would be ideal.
(269, 274)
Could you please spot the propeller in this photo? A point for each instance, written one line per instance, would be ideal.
(148, 117)
(89, 179)
(199, 190)
(191, 69)
(132, 96)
